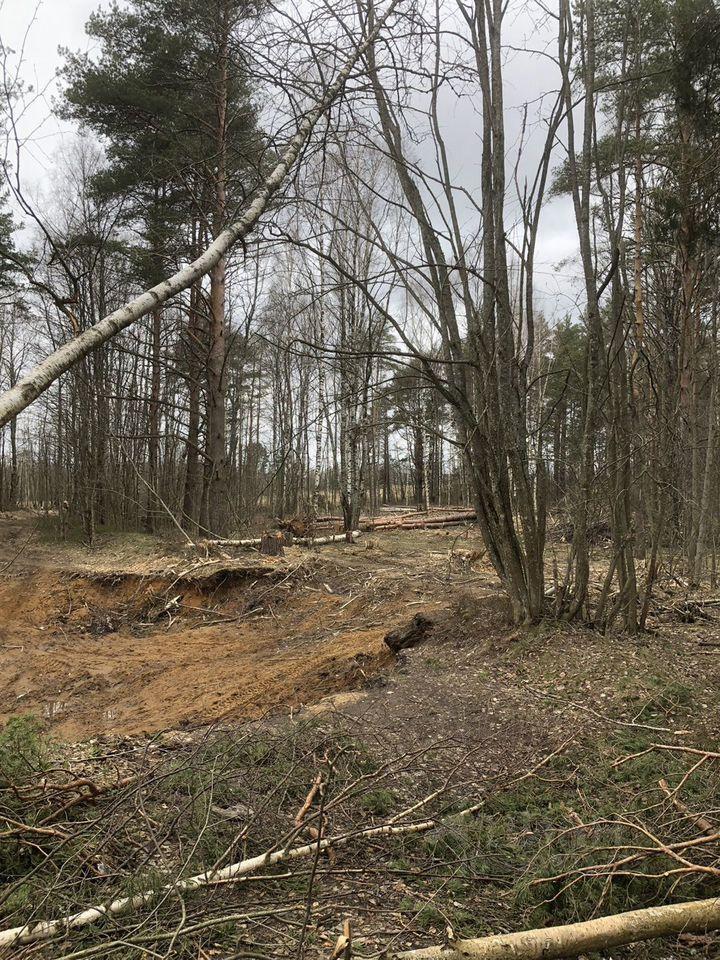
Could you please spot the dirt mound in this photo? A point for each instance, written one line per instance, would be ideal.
(137, 635)
(128, 654)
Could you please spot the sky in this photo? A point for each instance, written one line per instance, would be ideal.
(40, 27)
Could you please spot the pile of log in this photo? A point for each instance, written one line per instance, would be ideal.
(272, 544)
(420, 521)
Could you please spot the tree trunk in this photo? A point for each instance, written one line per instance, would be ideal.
(574, 939)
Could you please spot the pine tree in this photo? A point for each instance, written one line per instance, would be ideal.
(169, 96)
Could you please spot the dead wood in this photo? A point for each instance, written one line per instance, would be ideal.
(702, 823)
(62, 926)
(343, 947)
(308, 802)
(417, 521)
(282, 538)
(574, 939)
(335, 538)
(410, 635)
(271, 545)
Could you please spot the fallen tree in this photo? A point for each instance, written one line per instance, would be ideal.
(48, 929)
(29, 387)
(419, 521)
(574, 939)
(321, 541)
(257, 541)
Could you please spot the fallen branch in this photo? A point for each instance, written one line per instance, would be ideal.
(600, 716)
(308, 802)
(48, 929)
(95, 792)
(574, 939)
(701, 822)
(671, 748)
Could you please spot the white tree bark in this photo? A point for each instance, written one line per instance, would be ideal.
(31, 386)
(573, 939)
(47, 929)
(256, 541)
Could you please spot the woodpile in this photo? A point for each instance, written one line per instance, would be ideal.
(420, 521)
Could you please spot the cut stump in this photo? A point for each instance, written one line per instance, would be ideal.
(271, 545)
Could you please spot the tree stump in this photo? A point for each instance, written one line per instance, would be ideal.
(271, 545)
(410, 635)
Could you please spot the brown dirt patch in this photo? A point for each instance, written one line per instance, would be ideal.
(135, 636)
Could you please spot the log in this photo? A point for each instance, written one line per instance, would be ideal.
(282, 537)
(432, 517)
(420, 522)
(439, 522)
(319, 541)
(574, 939)
(210, 544)
(410, 635)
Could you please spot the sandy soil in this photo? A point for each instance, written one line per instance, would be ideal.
(137, 635)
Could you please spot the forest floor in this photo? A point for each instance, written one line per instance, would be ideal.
(143, 652)
(137, 634)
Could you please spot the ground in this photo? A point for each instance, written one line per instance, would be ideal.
(256, 673)
(138, 635)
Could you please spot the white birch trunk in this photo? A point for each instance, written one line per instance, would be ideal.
(574, 939)
(31, 386)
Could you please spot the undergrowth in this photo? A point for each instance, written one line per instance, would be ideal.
(542, 850)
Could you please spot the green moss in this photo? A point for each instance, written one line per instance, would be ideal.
(378, 803)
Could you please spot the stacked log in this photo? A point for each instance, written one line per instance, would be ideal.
(420, 521)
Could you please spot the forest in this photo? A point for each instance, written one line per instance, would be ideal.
(359, 461)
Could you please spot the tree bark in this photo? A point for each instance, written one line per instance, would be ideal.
(574, 939)
(218, 504)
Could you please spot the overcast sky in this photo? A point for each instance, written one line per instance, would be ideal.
(40, 28)
(44, 27)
